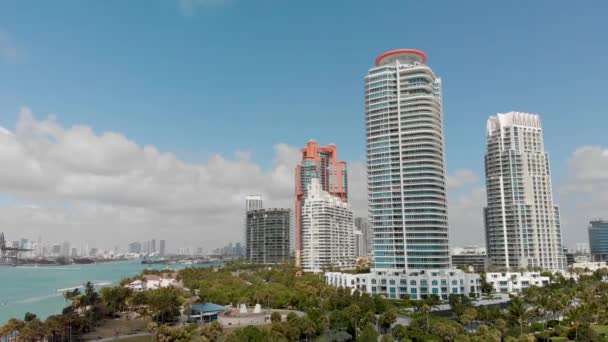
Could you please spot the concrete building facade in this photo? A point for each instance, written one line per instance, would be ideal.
(515, 281)
(522, 223)
(415, 285)
(267, 235)
(328, 239)
(318, 162)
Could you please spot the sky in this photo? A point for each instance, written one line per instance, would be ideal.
(127, 120)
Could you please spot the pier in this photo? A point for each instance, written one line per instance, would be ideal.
(9, 255)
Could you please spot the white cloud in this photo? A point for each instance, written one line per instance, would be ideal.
(585, 195)
(104, 187)
(461, 178)
(191, 7)
(466, 199)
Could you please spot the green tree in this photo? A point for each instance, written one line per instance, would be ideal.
(29, 316)
(468, 316)
(307, 327)
(165, 304)
(518, 312)
(399, 332)
(446, 329)
(115, 298)
(368, 334)
(486, 287)
(212, 332)
(33, 331)
(387, 319)
(71, 295)
(275, 317)
(387, 338)
(13, 324)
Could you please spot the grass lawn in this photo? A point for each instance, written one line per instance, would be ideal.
(600, 329)
(113, 327)
(135, 339)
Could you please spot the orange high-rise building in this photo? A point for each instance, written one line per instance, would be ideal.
(319, 162)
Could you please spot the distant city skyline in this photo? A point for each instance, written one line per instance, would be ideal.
(103, 140)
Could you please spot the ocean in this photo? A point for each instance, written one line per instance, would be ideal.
(35, 289)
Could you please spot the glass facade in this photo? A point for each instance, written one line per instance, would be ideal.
(598, 240)
(405, 164)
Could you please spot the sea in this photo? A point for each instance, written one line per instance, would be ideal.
(39, 289)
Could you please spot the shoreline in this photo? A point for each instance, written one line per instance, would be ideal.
(35, 289)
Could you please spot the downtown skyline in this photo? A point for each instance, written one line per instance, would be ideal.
(80, 197)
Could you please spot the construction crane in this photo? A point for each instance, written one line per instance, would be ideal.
(9, 255)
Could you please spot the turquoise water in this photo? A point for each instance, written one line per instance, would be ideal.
(34, 289)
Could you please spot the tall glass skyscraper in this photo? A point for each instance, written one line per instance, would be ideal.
(598, 240)
(320, 162)
(521, 221)
(405, 163)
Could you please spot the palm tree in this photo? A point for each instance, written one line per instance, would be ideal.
(71, 295)
(425, 309)
(518, 312)
(576, 316)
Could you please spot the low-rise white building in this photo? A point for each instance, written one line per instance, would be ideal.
(397, 284)
(155, 282)
(591, 266)
(515, 281)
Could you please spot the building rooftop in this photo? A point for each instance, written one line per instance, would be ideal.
(412, 55)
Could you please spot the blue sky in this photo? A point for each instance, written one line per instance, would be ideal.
(244, 75)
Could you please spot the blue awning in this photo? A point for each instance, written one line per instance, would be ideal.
(207, 307)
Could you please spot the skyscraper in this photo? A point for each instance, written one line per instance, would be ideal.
(161, 248)
(135, 247)
(328, 239)
(598, 240)
(153, 246)
(365, 244)
(405, 163)
(321, 163)
(521, 221)
(253, 202)
(267, 236)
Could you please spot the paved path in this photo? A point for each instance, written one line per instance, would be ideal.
(119, 337)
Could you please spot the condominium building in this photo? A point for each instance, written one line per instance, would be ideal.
(321, 163)
(267, 235)
(471, 257)
(135, 247)
(398, 284)
(161, 248)
(521, 221)
(598, 240)
(327, 231)
(364, 237)
(405, 163)
(253, 202)
(507, 282)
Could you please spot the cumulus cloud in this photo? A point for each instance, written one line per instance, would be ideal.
(105, 187)
(191, 7)
(466, 199)
(585, 195)
(461, 178)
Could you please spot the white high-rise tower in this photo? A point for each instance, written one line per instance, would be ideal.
(521, 221)
(253, 202)
(405, 163)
